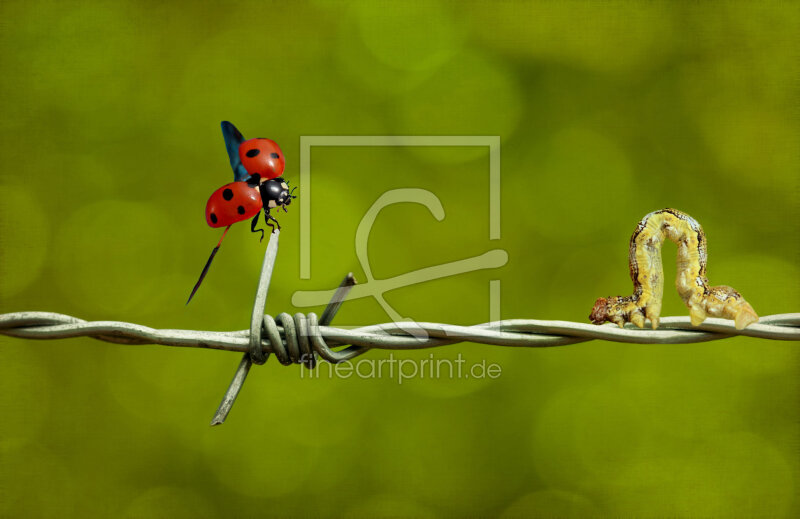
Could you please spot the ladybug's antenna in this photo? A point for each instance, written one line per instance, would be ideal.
(208, 264)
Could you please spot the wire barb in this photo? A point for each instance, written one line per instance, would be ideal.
(291, 347)
(256, 354)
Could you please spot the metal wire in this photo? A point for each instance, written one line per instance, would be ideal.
(392, 336)
(299, 339)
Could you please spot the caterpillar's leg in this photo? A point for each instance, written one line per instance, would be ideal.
(253, 224)
(653, 312)
(697, 314)
(725, 302)
(637, 318)
(744, 315)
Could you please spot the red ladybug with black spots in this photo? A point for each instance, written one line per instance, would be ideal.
(257, 168)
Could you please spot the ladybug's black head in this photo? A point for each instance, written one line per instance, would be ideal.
(275, 193)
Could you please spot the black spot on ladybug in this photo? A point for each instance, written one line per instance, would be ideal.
(274, 155)
(213, 218)
(240, 209)
(227, 194)
(253, 152)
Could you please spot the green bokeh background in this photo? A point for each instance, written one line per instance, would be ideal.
(605, 111)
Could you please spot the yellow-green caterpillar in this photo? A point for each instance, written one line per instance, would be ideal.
(647, 274)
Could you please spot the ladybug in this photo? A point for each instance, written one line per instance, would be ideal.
(257, 168)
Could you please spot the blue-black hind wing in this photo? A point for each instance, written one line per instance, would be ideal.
(233, 138)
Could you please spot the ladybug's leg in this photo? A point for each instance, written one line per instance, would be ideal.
(268, 218)
(253, 227)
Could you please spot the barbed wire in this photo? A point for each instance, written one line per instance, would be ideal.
(301, 338)
(393, 336)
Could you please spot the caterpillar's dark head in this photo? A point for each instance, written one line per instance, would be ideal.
(599, 313)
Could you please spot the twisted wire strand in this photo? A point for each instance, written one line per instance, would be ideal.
(300, 338)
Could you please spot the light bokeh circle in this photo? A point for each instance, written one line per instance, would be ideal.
(24, 236)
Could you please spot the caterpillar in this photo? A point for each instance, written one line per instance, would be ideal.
(647, 274)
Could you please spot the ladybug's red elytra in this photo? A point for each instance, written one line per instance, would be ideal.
(262, 157)
(233, 203)
(257, 168)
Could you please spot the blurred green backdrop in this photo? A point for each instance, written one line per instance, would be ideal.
(605, 110)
